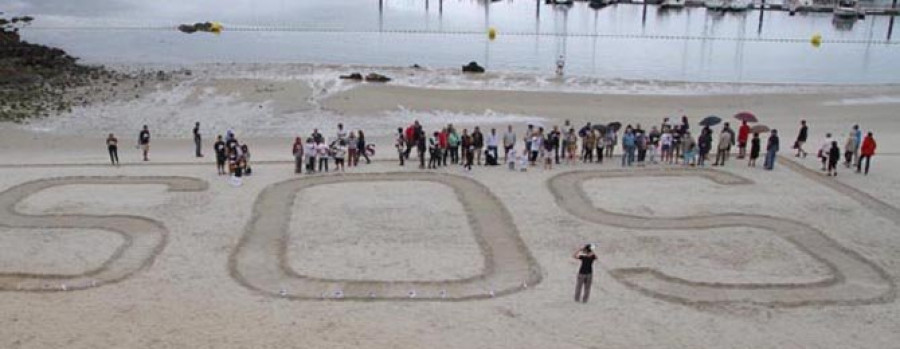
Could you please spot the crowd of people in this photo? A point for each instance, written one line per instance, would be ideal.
(345, 149)
(666, 143)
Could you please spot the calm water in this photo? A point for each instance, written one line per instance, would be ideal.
(453, 33)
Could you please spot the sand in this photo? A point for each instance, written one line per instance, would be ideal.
(734, 257)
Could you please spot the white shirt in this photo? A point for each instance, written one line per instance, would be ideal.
(492, 140)
(666, 139)
(509, 139)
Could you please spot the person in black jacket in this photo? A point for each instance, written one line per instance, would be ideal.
(477, 144)
(704, 143)
(585, 273)
(754, 150)
(834, 156)
(772, 148)
(801, 139)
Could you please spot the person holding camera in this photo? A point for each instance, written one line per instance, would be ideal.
(585, 272)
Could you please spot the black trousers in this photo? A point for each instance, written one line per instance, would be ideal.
(113, 154)
(868, 158)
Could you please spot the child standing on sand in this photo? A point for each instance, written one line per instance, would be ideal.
(754, 150)
(339, 152)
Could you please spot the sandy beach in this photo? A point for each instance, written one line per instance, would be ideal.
(167, 254)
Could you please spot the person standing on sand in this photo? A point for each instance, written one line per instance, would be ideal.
(572, 144)
(400, 144)
(444, 146)
(352, 150)
(493, 141)
(477, 144)
(723, 148)
(198, 142)
(704, 143)
(859, 139)
(585, 273)
(322, 153)
(509, 142)
(144, 141)
(221, 155)
(537, 145)
(824, 149)
(665, 144)
(849, 147)
(867, 151)
(628, 145)
(802, 136)
(553, 140)
(754, 150)
(420, 145)
(689, 148)
(361, 148)
(340, 153)
(311, 152)
(743, 134)
(588, 144)
(834, 156)
(297, 150)
(112, 145)
(611, 141)
(772, 147)
(453, 142)
(433, 151)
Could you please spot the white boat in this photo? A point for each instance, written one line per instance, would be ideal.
(739, 5)
(799, 5)
(846, 9)
(672, 4)
(716, 5)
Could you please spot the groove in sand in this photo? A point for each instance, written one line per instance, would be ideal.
(854, 279)
(144, 238)
(259, 260)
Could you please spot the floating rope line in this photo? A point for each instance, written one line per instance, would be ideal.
(337, 30)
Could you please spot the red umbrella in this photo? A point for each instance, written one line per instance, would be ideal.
(746, 116)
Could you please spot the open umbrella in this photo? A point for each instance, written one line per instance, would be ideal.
(600, 128)
(759, 129)
(746, 116)
(711, 120)
(615, 126)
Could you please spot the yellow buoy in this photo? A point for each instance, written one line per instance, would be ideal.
(216, 27)
(492, 33)
(816, 40)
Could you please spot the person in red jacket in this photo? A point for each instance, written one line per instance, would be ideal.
(410, 139)
(866, 152)
(443, 147)
(743, 135)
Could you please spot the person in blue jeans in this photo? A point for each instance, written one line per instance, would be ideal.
(771, 150)
(628, 144)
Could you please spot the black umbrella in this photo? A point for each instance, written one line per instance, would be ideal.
(711, 120)
(600, 128)
(615, 126)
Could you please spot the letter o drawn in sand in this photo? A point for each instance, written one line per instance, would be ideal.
(259, 261)
(144, 238)
(854, 280)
